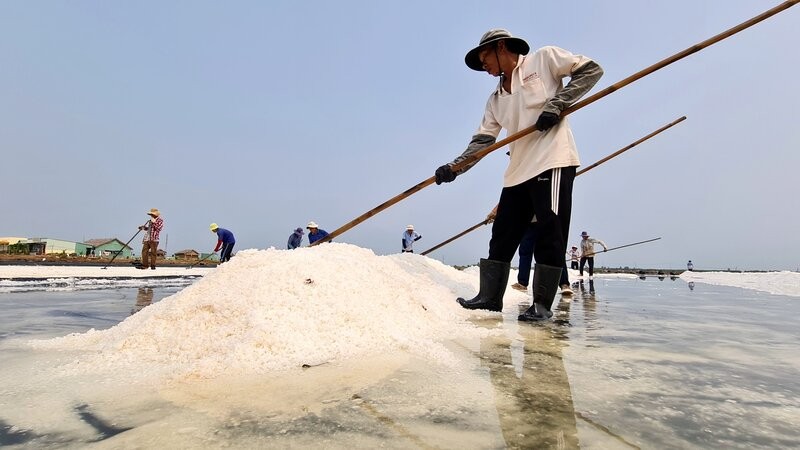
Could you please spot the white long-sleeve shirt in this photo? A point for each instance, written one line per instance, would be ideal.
(587, 246)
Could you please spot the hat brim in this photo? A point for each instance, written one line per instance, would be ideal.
(514, 44)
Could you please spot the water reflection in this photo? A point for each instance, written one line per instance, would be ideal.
(581, 288)
(533, 397)
(586, 294)
(143, 298)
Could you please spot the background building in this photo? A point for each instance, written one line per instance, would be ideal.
(108, 247)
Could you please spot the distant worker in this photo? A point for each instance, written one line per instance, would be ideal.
(152, 229)
(409, 237)
(295, 239)
(225, 242)
(314, 232)
(689, 266)
(574, 256)
(587, 252)
(526, 261)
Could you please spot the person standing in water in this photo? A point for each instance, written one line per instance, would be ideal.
(542, 165)
(574, 256)
(587, 252)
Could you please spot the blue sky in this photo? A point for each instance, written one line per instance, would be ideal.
(261, 116)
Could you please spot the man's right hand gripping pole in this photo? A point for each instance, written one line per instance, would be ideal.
(444, 174)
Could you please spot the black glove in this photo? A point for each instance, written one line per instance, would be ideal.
(445, 174)
(546, 121)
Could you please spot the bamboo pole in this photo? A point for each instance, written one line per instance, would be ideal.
(623, 246)
(630, 146)
(589, 100)
(468, 230)
(201, 260)
(611, 156)
(122, 249)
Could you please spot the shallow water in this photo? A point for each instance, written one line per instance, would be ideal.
(626, 363)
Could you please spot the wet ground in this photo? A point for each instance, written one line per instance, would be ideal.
(627, 363)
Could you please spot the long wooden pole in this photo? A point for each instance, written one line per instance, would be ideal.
(468, 230)
(628, 245)
(588, 168)
(201, 260)
(591, 99)
(630, 146)
(122, 250)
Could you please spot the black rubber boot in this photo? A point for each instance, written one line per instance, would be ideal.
(494, 277)
(545, 286)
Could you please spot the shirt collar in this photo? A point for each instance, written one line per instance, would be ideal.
(520, 60)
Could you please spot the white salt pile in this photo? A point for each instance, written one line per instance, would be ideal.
(269, 310)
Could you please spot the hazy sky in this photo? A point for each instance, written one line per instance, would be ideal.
(261, 116)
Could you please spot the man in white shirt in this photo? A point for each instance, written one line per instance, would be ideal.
(409, 237)
(542, 165)
(587, 252)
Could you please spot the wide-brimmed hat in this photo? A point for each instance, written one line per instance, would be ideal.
(312, 224)
(213, 227)
(514, 44)
(574, 246)
(299, 230)
(584, 234)
(153, 212)
(410, 227)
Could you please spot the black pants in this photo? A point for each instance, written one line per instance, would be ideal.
(225, 253)
(548, 196)
(574, 265)
(526, 256)
(590, 260)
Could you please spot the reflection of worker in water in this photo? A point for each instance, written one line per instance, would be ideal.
(143, 298)
(534, 401)
(588, 300)
(591, 288)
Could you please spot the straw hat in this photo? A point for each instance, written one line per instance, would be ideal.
(153, 212)
(311, 225)
(410, 228)
(213, 227)
(514, 44)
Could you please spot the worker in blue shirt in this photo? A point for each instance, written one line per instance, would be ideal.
(315, 233)
(225, 242)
